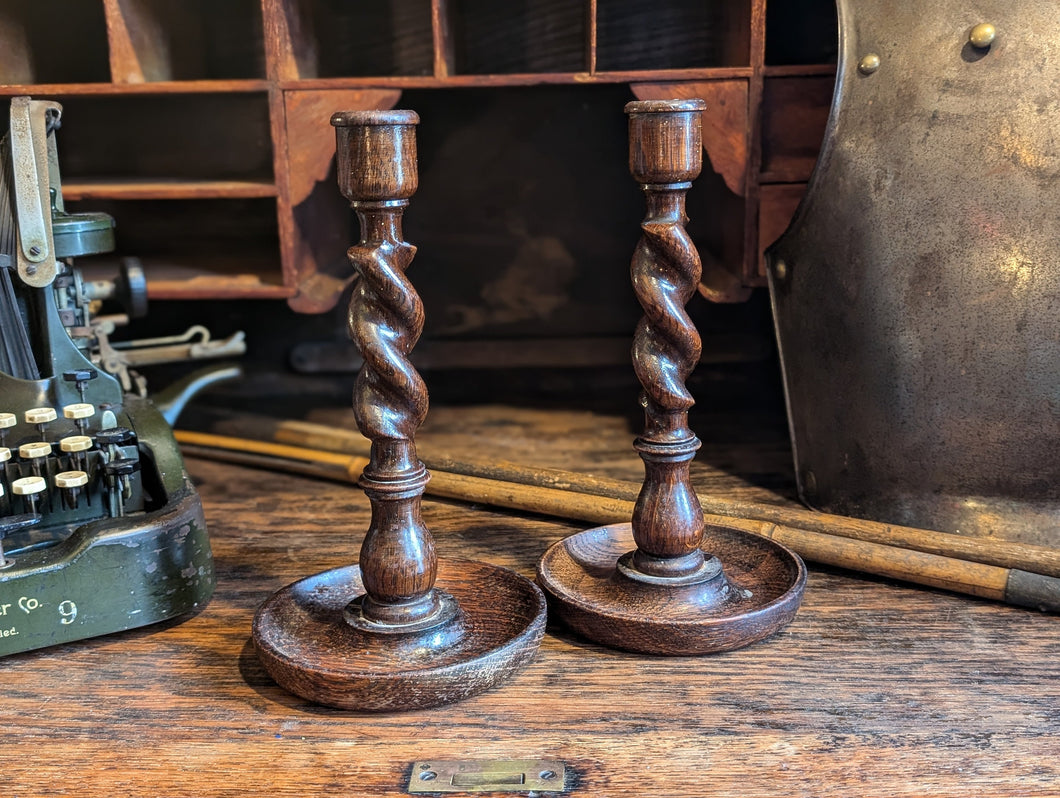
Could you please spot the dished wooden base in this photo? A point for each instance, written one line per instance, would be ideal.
(757, 593)
(307, 646)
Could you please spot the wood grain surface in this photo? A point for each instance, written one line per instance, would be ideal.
(873, 690)
(747, 589)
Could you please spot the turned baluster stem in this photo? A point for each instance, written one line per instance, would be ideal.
(376, 153)
(665, 156)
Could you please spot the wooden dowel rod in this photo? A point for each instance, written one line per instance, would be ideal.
(986, 581)
(976, 579)
(272, 450)
(1022, 556)
(347, 472)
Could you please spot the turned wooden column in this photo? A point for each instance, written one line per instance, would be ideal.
(663, 583)
(399, 630)
(377, 173)
(665, 155)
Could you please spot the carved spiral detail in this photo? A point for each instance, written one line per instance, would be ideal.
(385, 321)
(666, 346)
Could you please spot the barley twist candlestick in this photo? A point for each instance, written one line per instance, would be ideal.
(398, 563)
(667, 521)
(397, 631)
(681, 590)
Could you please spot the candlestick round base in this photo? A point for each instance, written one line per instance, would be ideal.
(310, 649)
(756, 593)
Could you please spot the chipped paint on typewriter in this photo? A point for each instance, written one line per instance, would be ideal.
(100, 527)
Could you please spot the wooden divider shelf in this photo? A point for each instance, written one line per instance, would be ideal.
(35, 49)
(489, 38)
(227, 102)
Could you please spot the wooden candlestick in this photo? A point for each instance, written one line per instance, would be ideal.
(679, 591)
(396, 631)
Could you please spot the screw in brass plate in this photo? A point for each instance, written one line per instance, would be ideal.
(982, 35)
(780, 269)
(868, 64)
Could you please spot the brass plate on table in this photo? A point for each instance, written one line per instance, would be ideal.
(487, 775)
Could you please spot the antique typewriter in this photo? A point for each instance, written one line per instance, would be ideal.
(100, 527)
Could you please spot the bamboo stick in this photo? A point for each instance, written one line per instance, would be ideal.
(1022, 556)
(987, 581)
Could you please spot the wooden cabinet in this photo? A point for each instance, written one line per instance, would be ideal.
(202, 126)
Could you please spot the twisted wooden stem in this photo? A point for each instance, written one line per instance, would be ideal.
(377, 173)
(397, 559)
(665, 155)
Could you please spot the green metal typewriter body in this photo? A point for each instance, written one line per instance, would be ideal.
(100, 527)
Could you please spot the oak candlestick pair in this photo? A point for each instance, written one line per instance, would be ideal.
(400, 631)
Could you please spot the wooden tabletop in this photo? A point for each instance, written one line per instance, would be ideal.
(876, 688)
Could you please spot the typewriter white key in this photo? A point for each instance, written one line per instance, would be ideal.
(7, 422)
(41, 415)
(75, 443)
(35, 454)
(5, 455)
(71, 479)
(76, 446)
(69, 484)
(28, 486)
(79, 411)
(33, 451)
